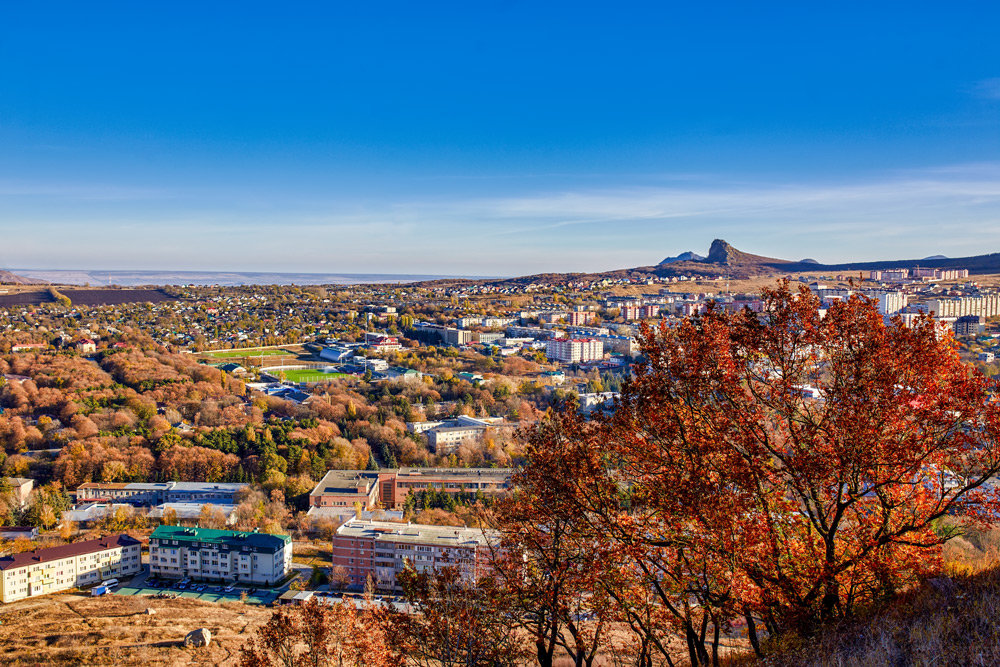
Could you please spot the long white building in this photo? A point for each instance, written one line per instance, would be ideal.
(573, 350)
(206, 554)
(156, 493)
(68, 566)
(984, 306)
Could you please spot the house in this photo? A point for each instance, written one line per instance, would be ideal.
(20, 487)
(86, 346)
(233, 369)
(28, 347)
(404, 374)
(18, 532)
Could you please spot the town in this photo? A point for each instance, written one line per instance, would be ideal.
(273, 445)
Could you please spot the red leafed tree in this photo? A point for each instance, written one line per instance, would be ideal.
(316, 634)
(786, 466)
(549, 569)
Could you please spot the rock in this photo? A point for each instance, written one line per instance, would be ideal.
(199, 637)
(945, 586)
(150, 611)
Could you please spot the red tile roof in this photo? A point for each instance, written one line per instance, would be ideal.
(66, 551)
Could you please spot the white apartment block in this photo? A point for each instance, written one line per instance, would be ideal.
(987, 305)
(68, 566)
(219, 555)
(574, 350)
(891, 303)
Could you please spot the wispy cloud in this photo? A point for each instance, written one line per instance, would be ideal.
(953, 209)
(80, 192)
(987, 89)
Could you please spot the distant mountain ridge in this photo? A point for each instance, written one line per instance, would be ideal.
(724, 260)
(683, 257)
(8, 278)
(223, 278)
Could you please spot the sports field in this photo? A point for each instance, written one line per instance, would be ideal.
(309, 375)
(237, 354)
(262, 597)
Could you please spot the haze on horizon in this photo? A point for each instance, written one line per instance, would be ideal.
(501, 138)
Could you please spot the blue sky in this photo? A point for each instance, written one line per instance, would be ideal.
(493, 138)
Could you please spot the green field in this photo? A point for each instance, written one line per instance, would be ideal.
(237, 354)
(308, 375)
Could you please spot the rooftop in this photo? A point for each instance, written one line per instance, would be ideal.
(464, 473)
(385, 531)
(233, 538)
(345, 481)
(66, 551)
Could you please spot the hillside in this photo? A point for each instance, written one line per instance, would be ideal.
(948, 621)
(8, 278)
(74, 629)
(725, 261)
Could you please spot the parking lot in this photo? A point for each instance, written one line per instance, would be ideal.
(261, 596)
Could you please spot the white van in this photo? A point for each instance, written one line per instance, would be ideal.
(110, 583)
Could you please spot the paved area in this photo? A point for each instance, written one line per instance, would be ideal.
(261, 597)
(137, 586)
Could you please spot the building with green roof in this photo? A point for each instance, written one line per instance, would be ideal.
(206, 554)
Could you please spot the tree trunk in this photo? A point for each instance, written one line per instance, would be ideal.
(752, 634)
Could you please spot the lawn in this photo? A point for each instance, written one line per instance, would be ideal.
(309, 375)
(238, 354)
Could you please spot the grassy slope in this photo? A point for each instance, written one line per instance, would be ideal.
(72, 629)
(950, 620)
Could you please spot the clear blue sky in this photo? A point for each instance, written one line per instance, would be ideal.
(493, 137)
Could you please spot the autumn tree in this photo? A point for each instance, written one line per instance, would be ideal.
(786, 466)
(549, 569)
(460, 624)
(316, 634)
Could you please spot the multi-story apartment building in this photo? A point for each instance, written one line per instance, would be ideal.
(640, 312)
(156, 493)
(68, 566)
(987, 305)
(574, 350)
(219, 555)
(890, 303)
(968, 325)
(381, 550)
(344, 488)
(940, 274)
(889, 275)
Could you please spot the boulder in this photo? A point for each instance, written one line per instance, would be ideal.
(199, 637)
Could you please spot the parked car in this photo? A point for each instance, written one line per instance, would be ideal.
(230, 588)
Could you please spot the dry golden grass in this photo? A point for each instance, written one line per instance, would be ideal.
(950, 620)
(72, 629)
